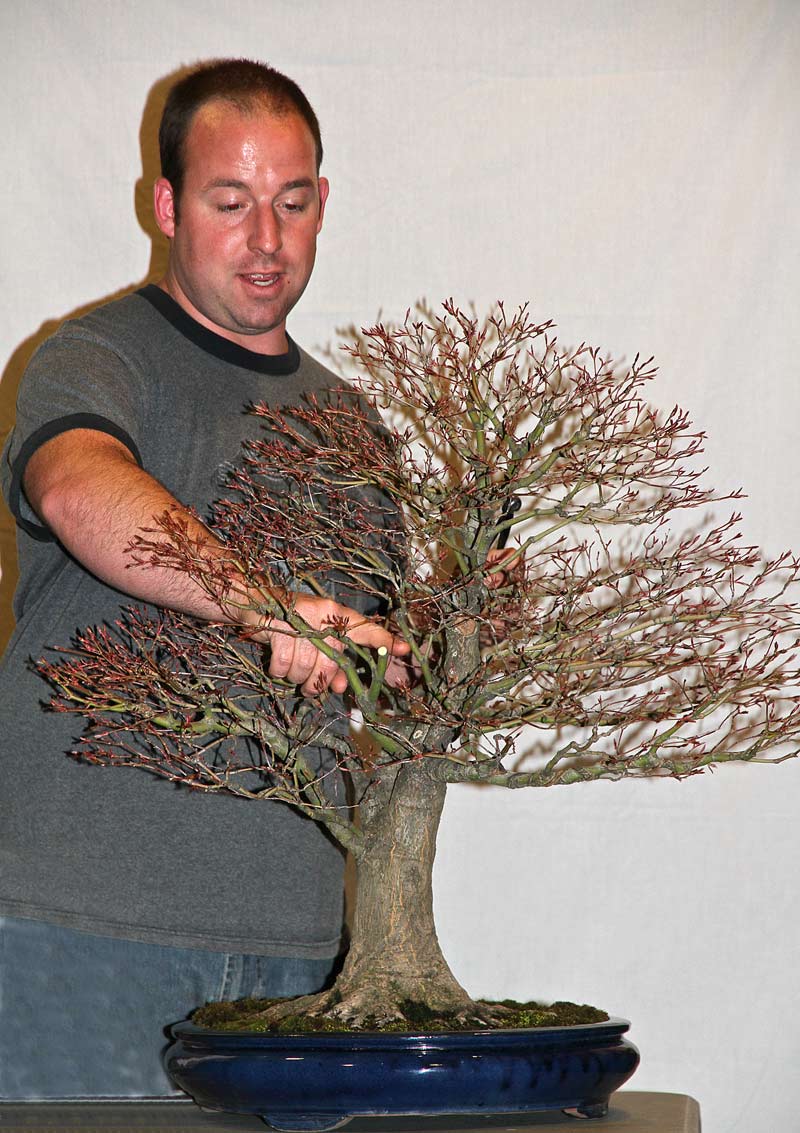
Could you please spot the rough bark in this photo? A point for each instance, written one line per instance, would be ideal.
(394, 952)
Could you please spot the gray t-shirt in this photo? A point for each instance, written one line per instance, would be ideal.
(114, 850)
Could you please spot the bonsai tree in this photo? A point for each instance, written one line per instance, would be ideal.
(603, 645)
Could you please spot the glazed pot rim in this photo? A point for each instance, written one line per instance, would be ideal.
(190, 1031)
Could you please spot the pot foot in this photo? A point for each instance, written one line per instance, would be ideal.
(297, 1123)
(590, 1109)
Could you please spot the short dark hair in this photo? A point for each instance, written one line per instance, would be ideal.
(243, 83)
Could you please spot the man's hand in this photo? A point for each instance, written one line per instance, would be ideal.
(296, 659)
(499, 575)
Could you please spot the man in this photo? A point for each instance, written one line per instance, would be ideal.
(127, 902)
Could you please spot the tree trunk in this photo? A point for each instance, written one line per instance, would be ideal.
(394, 954)
(394, 972)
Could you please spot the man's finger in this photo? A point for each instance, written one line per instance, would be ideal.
(375, 636)
(325, 675)
(294, 658)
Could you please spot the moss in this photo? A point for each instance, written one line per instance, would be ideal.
(558, 1014)
(230, 1014)
(247, 1015)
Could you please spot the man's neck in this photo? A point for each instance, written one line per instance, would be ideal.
(273, 341)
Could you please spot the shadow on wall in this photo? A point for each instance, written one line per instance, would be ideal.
(12, 375)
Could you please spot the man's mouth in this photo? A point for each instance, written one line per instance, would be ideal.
(261, 279)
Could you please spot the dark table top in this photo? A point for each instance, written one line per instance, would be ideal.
(630, 1111)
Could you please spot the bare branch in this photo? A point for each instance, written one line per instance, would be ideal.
(615, 646)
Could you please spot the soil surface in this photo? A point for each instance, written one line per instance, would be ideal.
(247, 1015)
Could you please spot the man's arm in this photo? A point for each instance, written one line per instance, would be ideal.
(88, 489)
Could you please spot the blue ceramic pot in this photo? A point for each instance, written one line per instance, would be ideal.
(319, 1081)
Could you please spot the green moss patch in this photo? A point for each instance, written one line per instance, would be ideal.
(247, 1015)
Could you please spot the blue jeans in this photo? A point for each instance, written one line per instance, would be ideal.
(85, 1016)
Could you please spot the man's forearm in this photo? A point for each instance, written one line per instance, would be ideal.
(90, 492)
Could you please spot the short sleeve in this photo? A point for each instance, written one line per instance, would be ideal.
(72, 382)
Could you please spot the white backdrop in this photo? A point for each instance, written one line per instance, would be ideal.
(632, 169)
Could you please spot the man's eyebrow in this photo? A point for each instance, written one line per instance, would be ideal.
(300, 183)
(232, 183)
(225, 183)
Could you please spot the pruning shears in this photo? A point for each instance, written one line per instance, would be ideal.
(510, 508)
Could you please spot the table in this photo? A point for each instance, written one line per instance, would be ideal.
(630, 1111)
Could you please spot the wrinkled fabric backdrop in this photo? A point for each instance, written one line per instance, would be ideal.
(633, 170)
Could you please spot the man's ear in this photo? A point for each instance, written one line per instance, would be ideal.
(164, 206)
(323, 189)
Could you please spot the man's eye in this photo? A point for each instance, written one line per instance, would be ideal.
(231, 207)
(294, 206)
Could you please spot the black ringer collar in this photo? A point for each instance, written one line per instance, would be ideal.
(215, 344)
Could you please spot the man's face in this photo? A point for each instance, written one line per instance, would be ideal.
(250, 210)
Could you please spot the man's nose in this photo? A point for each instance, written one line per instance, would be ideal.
(265, 231)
